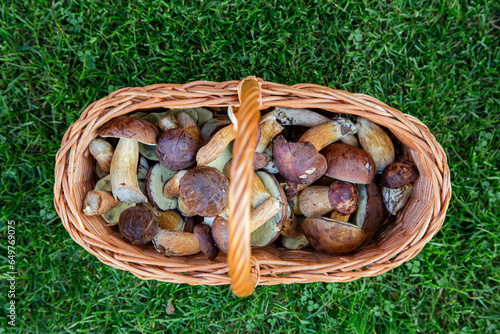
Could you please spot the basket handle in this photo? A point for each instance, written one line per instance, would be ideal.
(238, 257)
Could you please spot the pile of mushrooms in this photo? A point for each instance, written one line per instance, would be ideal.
(326, 182)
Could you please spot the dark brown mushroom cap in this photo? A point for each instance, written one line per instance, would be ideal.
(332, 236)
(349, 163)
(298, 162)
(374, 212)
(137, 225)
(343, 197)
(207, 244)
(220, 234)
(204, 191)
(399, 173)
(176, 149)
(130, 128)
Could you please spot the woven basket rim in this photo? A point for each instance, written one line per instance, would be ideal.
(412, 228)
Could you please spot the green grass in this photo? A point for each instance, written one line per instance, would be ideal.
(436, 60)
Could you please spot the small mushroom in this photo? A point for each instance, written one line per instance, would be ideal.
(295, 243)
(324, 134)
(176, 243)
(298, 162)
(349, 163)
(176, 149)
(399, 173)
(98, 202)
(138, 225)
(167, 220)
(188, 124)
(376, 142)
(396, 198)
(343, 197)
(112, 216)
(332, 236)
(206, 242)
(316, 201)
(204, 190)
(167, 122)
(123, 169)
(102, 151)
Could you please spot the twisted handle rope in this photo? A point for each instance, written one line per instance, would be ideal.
(242, 283)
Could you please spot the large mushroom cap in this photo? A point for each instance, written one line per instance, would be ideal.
(204, 191)
(343, 197)
(130, 128)
(176, 149)
(298, 162)
(349, 163)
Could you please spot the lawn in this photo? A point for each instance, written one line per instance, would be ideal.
(436, 60)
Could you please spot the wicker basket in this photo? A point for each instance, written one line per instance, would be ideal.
(395, 243)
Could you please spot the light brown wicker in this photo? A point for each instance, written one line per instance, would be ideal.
(395, 243)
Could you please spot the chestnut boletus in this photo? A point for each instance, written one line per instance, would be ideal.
(123, 169)
(176, 149)
(332, 236)
(399, 173)
(204, 190)
(349, 163)
(376, 142)
(138, 225)
(205, 240)
(343, 197)
(298, 162)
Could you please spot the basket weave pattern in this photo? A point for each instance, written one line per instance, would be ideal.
(395, 243)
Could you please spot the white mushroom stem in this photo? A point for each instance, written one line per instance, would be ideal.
(98, 202)
(264, 212)
(395, 199)
(304, 117)
(176, 243)
(123, 172)
(350, 140)
(269, 128)
(338, 216)
(324, 134)
(102, 151)
(171, 189)
(214, 148)
(376, 142)
(314, 202)
(188, 124)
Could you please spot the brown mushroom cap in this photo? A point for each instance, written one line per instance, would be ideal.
(176, 149)
(206, 242)
(130, 128)
(343, 197)
(204, 191)
(331, 236)
(349, 163)
(298, 162)
(138, 225)
(220, 234)
(370, 212)
(399, 173)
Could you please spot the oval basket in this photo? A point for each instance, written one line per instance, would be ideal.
(396, 242)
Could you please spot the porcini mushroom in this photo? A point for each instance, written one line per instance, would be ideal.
(138, 225)
(396, 198)
(123, 169)
(298, 162)
(324, 134)
(204, 190)
(98, 202)
(370, 213)
(188, 124)
(349, 163)
(206, 242)
(376, 142)
(176, 243)
(112, 216)
(102, 151)
(176, 149)
(399, 173)
(315, 201)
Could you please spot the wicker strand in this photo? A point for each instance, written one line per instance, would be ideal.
(242, 283)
